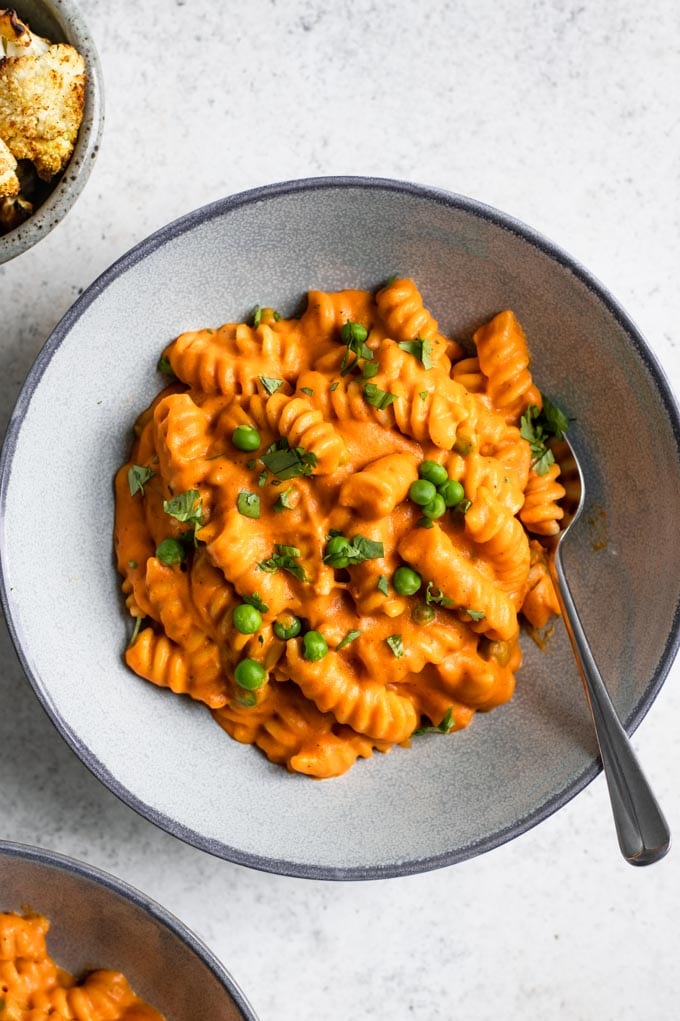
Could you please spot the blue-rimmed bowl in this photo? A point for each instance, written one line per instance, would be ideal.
(61, 21)
(445, 799)
(97, 921)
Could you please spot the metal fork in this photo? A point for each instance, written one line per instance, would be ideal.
(642, 831)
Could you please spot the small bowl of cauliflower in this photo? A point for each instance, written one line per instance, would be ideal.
(51, 118)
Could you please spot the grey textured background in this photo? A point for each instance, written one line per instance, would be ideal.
(563, 114)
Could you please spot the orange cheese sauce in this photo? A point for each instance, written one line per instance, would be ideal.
(358, 417)
(33, 987)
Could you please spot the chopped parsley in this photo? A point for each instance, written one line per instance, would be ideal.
(378, 398)
(270, 384)
(423, 395)
(307, 390)
(132, 564)
(284, 559)
(138, 476)
(349, 637)
(248, 504)
(390, 280)
(396, 645)
(436, 596)
(369, 369)
(255, 601)
(537, 426)
(289, 463)
(383, 585)
(420, 349)
(184, 507)
(445, 727)
(353, 336)
(257, 316)
(137, 628)
(283, 502)
(334, 386)
(476, 614)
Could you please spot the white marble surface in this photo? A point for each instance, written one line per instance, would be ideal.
(564, 114)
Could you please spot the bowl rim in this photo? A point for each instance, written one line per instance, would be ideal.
(71, 183)
(137, 254)
(65, 863)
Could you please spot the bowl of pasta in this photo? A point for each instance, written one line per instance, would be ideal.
(295, 453)
(77, 943)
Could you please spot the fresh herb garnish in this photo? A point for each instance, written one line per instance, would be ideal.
(423, 395)
(378, 398)
(383, 585)
(186, 507)
(349, 637)
(283, 503)
(270, 384)
(476, 614)
(334, 386)
(307, 390)
(396, 645)
(132, 564)
(248, 504)
(436, 596)
(369, 369)
(537, 426)
(445, 727)
(353, 336)
(288, 463)
(257, 316)
(262, 479)
(137, 628)
(284, 559)
(138, 476)
(353, 552)
(420, 349)
(390, 280)
(255, 601)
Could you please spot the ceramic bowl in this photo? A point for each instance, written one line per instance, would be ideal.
(61, 21)
(97, 921)
(444, 799)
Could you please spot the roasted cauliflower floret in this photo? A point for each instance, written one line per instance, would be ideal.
(9, 182)
(42, 96)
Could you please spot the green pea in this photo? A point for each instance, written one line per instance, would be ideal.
(433, 472)
(245, 437)
(335, 551)
(246, 619)
(435, 508)
(353, 332)
(422, 492)
(452, 492)
(287, 626)
(422, 613)
(170, 552)
(314, 646)
(405, 581)
(250, 674)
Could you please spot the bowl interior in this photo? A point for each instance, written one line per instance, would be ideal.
(445, 798)
(61, 21)
(97, 923)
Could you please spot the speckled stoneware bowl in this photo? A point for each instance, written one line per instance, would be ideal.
(97, 921)
(61, 21)
(445, 799)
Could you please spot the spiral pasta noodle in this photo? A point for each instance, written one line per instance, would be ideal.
(323, 526)
(32, 986)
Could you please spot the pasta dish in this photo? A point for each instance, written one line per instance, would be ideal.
(329, 526)
(33, 987)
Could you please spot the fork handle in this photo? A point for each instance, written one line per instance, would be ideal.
(642, 831)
